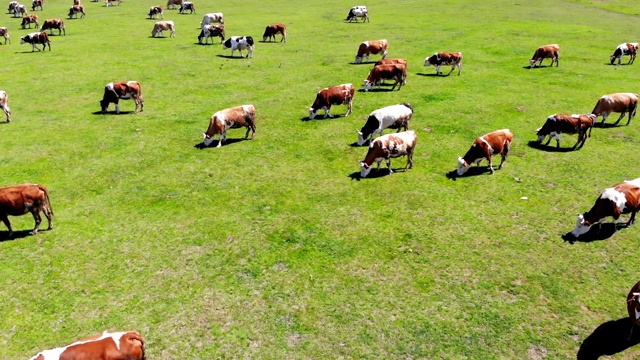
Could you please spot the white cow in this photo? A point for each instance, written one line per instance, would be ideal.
(390, 117)
(209, 18)
(239, 43)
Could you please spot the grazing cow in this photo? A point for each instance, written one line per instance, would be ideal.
(110, 2)
(630, 49)
(35, 4)
(108, 345)
(618, 102)
(551, 51)
(4, 103)
(12, 7)
(358, 12)
(394, 61)
(20, 199)
(390, 117)
(372, 47)
(239, 43)
(28, 20)
(397, 72)
(154, 11)
(272, 30)
(569, 124)
(633, 307)
(36, 38)
(125, 90)
(497, 142)
(211, 31)
(335, 95)
(445, 58)
(210, 18)
(160, 26)
(231, 118)
(78, 2)
(75, 10)
(172, 3)
(19, 10)
(51, 24)
(387, 147)
(621, 199)
(187, 5)
(4, 32)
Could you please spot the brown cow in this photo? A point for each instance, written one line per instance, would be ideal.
(372, 47)
(387, 147)
(397, 72)
(497, 142)
(51, 24)
(154, 11)
(4, 32)
(4, 103)
(125, 90)
(231, 118)
(272, 30)
(335, 95)
(108, 345)
(160, 26)
(394, 61)
(75, 10)
(630, 49)
(36, 38)
(19, 199)
(569, 124)
(28, 20)
(618, 102)
(172, 3)
(551, 51)
(445, 58)
(633, 307)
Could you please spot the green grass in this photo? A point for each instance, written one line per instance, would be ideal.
(269, 248)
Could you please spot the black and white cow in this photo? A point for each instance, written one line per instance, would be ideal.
(36, 38)
(239, 43)
(390, 117)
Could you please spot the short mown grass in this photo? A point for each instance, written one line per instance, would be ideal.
(274, 248)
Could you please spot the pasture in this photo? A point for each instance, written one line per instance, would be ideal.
(274, 248)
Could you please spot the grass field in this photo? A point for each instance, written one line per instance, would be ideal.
(274, 248)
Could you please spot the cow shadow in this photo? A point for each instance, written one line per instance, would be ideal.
(231, 57)
(4, 235)
(376, 90)
(363, 63)
(608, 338)
(434, 75)
(375, 174)
(606, 231)
(610, 64)
(537, 67)
(321, 118)
(159, 37)
(365, 144)
(473, 171)
(112, 112)
(611, 124)
(214, 143)
(549, 148)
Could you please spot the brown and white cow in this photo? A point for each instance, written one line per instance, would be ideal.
(272, 30)
(4, 104)
(335, 95)
(633, 307)
(36, 4)
(75, 10)
(497, 142)
(78, 2)
(569, 124)
(125, 90)
(28, 20)
(397, 72)
(160, 26)
(20, 199)
(394, 61)
(617, 102)
(172, 3)
(231, 118)
(621, 199)
(372, 47)
(4, 32)
(36, 38)
(389, 146)
(187, 5)
(630, 49)
(51, 24)
(551, 51)
(211, 31)
(439, 59)
(154, 11)
(389, 117)
(108, 345)
(211, 18)
(110, 2)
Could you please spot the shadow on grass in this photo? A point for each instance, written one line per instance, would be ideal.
(434, 75)
(375, 174)
(355, 144)
(608, 339)
(112, 112)
(4, 235)
(375, 89)
(536, 145)
(609, 125)
(215, 143)
(321, 117)
(537, 67)
(606, 231)
(363, 63)
(232, 57)
(473, 171)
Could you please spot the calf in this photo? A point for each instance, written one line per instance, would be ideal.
(4, 103)
(231, 118)
(36, 4)
(125, 90)
(272, 30)
(497, 142)
(209, 18)
(4, 32)
(387, 147)
(390, 117)
(75, 10)
(154, 11)
(110, 2)
(28, 20)
(109, 345)
(51, 24)
(372, 47)
(172, 3)
(445, 58)
(397, 72)
(544, 52)
(239, 43)
(36, 38)
(20, 199)
(633, 307)
(569, 124)
(618, 102)
(335, 95)
(211, 31)
(358, 12)
(187, 5)
(621, 199)
(159, 26)
(630, 49)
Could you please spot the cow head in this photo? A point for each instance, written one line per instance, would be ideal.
(226, 44)
(364, 169)
(540, 137)
(361, 139)
(532, 63)
(23, 39)
(612, 58)
(463, 166)
(634, 304)
(104, 104)
(207, 139)
(368, 85)
(582, 226)
(358, 59)
(312, 113)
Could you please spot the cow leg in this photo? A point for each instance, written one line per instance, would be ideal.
(624, 112)
(246, 135)
(388, 161)
(453, 67)
(605, 115)
(117, 108)
(491, 164)
(558, 136)
(326, 112)
(632, 220)
(409, 159)
(632, 112)
(459, 69)
(438, 70)
(49, 214)
(38, 219)
(5, 220)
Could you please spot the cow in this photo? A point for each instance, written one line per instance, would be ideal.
(210, 31)
(51, 24)
(387, 147)
(372, 47)
(125, 90)
(617, 102)
(28, 20)
(172, 3)
(551, 51)
(569, 124)
(272, 30)
(231, 118)
(393, 61)
(12, 7)
(335, 95)
(20, 199)
(438, 59)
(160, 26)
(36, 38)
(630, 49)
(35, 4)
(154, 11)
(75, 10)
(78, 2)
(497, 142)
(390, 117)
(397, 72)
(623, 198)
(633, 307)
(187, 5)
(4, 32)
(210, 18)
(108, 345)
(358, 12)
(239, 43)
(4, 103)
(110, 2)
(19, 10)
